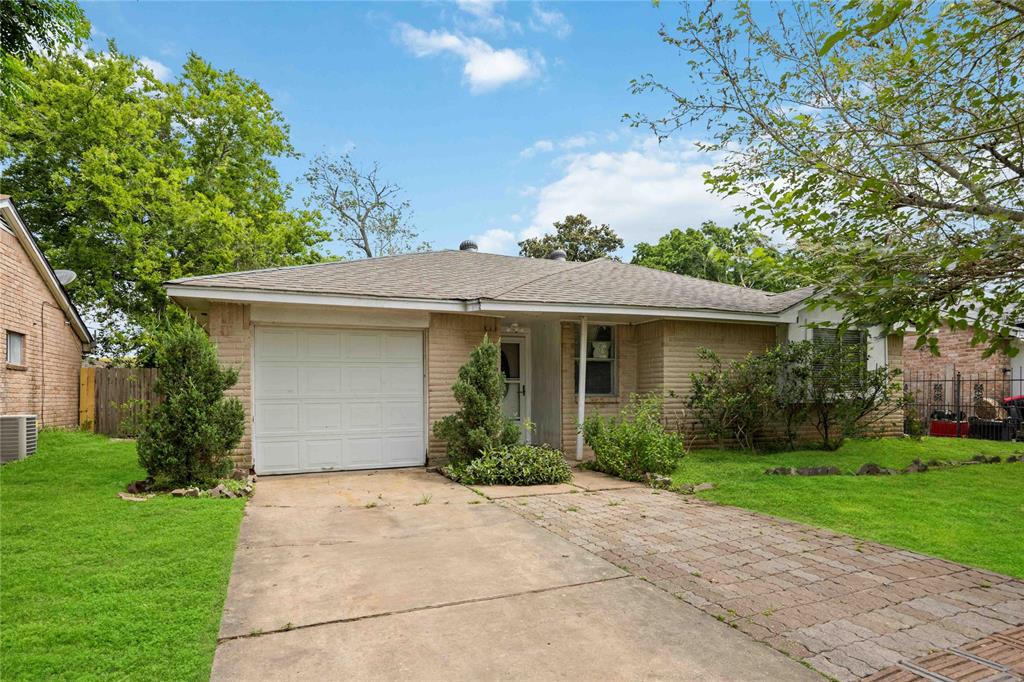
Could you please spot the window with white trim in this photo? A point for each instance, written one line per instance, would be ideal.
(15, 348)
(601, 360)
(852, 343)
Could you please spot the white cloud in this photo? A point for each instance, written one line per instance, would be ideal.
(484, 68)
(538, 147)
(497, 241)
(486, 18)
(566, 144)
(159, 69)
(641, 192)
(549, 21)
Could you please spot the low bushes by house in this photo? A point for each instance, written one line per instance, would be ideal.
(186, 437)
(635, 442)
(513, 465)
(479, 425)
(826, 385)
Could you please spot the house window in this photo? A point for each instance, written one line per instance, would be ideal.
(15, 348)
(852, 343)
(601, 352)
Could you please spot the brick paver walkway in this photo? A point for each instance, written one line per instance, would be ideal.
(848, 608)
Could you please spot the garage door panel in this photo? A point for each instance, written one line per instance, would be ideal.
(274, 380)
(402, 380)
(364, 346)
(277, 344)
(403, 450)
(364, 451)
(403, 346)
(364, 415)
(323, 454)
(319, 417)
(360, 381)
(278, 418)
(403, 415)
(321, 380)
(337, 399)
(278, 456)
(324, 345)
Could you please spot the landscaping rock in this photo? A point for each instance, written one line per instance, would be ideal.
(916, 467)
(781, 471)
(133, 498)
(178, 492)
(192, 492)
(136, 487)
(217, 491)
(980, 458)
(247, 490)
(1013, 458)
(700, 487)
(995, 459)
(230, 494)
(682, 489)
(818, 471)
(871, 469)
(658, 481)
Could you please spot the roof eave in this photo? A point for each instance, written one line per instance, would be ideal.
(185, 293)
(45, 270)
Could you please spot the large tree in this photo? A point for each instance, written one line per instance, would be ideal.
(365, 211)
(29, 28)
(886, 138)
(734, 255)
(130, 181)
(578, 236)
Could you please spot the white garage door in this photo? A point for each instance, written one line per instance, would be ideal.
(337, 399)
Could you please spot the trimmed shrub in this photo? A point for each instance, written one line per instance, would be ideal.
(185, 438)
(635, 442)
(513, 465)
(479, 425)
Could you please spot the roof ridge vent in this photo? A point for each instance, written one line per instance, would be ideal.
(557, 254)
(468, 245)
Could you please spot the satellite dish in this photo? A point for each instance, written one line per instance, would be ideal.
(65, 277)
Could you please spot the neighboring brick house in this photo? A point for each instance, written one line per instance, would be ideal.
(44, 337)
(931, 380)
(347, 365)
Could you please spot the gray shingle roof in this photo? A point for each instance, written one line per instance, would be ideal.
(470, 276)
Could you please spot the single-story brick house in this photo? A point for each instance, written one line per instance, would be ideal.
(44, 336)
(346, 365)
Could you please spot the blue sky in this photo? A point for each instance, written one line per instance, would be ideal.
(496, 118)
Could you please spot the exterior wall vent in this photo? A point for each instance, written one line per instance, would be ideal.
(18, 435)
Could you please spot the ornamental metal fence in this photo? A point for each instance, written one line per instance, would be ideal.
(966, 404)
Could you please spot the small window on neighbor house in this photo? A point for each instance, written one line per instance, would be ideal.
(15, 348)
(601, 354)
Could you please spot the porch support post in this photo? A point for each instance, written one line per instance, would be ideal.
(581, 396)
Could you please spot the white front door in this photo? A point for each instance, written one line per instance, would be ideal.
(515, 366)
(326, 399)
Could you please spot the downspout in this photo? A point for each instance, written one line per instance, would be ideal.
(581, 398)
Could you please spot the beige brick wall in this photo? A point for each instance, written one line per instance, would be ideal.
(450, 339)
(230, 328)
(47, 383)
(626, 348)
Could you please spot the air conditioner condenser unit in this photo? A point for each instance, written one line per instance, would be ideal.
(18, 433)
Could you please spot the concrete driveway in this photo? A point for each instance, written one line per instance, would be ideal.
(403, 574)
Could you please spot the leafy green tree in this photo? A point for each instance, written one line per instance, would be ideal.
(580, 238)
(366, 212)
(187, 436)
(734, 255)
(479, 425)
(131, 182)
(31, 27)
(886, 138)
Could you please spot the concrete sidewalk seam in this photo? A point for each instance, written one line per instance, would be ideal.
(431, 607)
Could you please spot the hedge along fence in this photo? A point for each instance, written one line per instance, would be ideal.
(110, 399)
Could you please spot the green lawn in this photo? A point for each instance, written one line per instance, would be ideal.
(96, 587)
(971, 514)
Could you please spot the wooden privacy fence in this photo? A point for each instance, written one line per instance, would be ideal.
(110, 399)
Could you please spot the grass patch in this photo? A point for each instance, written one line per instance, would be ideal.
(97, 587)
(971, 514)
